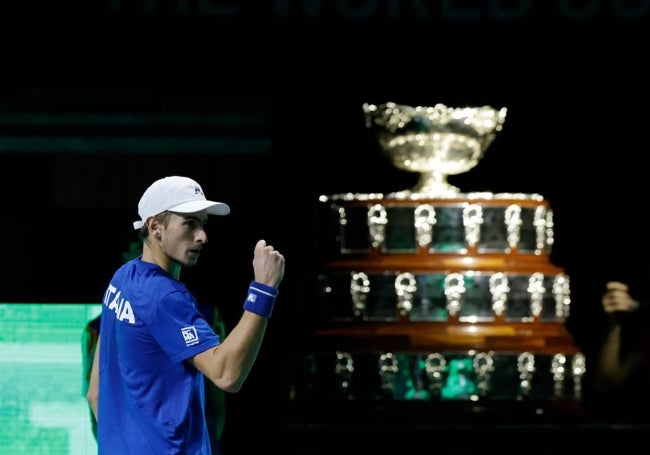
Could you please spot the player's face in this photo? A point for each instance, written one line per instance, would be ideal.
(184, 236)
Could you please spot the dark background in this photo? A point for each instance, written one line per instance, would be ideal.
(261, 102)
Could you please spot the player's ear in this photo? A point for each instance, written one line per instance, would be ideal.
(154, 226)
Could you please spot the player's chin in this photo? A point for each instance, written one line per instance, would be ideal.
(191, 258)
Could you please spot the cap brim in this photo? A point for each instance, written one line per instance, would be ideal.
(213, 208)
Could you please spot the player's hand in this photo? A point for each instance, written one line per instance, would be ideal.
(268, 264)
(617, 298)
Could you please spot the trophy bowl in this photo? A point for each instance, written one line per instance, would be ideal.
(433, 141)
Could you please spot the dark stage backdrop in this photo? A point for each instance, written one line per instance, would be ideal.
(263, 105)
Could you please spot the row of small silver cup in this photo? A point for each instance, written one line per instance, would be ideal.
(436, 371)
(454, 289)
(425, 220)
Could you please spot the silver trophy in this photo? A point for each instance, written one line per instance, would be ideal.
(434, 141)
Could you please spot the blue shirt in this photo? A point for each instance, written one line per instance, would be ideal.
(150, 400)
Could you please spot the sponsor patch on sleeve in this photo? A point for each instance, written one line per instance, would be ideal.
(190, 335)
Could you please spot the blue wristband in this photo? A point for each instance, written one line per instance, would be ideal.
(260, 299)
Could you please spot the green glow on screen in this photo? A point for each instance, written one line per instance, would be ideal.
(42, 407)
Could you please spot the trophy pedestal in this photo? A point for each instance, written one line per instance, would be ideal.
(439, 300)
(430, 298)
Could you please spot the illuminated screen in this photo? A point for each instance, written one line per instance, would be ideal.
(43, 409)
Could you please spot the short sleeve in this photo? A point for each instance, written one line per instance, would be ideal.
(179, 328)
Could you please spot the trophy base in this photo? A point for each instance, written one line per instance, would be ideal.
(438, 299)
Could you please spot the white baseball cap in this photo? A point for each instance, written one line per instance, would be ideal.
(176, 194)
